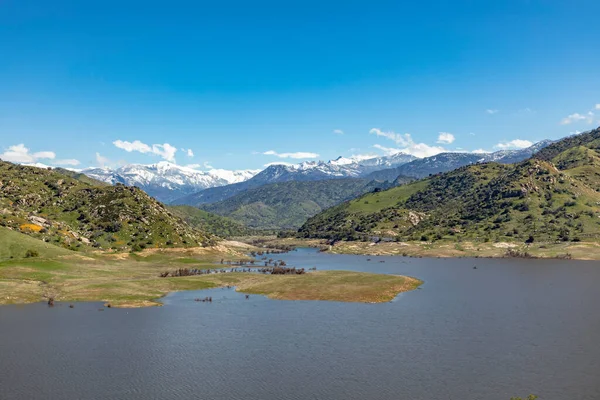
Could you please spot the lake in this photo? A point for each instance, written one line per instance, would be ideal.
(510, 327)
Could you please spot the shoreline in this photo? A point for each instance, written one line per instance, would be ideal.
(585, 251)
(134, 280)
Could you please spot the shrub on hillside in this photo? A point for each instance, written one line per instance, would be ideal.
(31, 253)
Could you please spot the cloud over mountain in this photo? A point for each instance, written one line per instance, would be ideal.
(20, 154)
(445, 138)
(514, 144)
(408, 145)
(296, 155)
(166, 151)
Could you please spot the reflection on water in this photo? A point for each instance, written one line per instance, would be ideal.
(509, 327)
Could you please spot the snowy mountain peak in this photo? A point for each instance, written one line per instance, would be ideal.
(167, 181)
(342, 161)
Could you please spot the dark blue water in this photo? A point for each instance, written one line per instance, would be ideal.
(507, 328)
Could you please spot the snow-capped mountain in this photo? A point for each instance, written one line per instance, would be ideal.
(392, 161)
(444, 162)
(341, 167)
(175, 184)
(511, 156)
(166, 181)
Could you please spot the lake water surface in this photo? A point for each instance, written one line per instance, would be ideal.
(507, 328)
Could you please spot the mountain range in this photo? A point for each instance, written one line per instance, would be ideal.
(552, 196)
(445, 162)
(386, 168)
(179, 185)
(166, 181)
(307, 171)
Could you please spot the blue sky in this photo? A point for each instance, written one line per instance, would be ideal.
(129, 81)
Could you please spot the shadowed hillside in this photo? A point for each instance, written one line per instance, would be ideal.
(289, 204)
(212, 223)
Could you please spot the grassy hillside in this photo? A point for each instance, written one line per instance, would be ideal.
(553, 196)
(212, 223)
(18, 245)
(73, 214)
(289, 204)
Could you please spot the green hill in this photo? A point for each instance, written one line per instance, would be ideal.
(212, 223)
(552, 196)
(18, 245)
(288, 205)
(72, 213)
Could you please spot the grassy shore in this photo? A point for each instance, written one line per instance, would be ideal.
(133, 280)
(576, 251)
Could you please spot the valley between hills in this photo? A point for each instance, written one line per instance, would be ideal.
(67, 236)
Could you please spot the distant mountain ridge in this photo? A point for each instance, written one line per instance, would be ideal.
(176, 184)
(167, 181)
(386, 168)
(445, 162)
(307, 171)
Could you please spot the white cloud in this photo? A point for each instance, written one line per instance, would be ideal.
(492, 111)
(189, 152)
(136, 145)
(101, 161)
(20, 154)
(589, 118)
(572, 118)
(480, 151)
(597, 107)
(297, 155)
(44, 154)
(69, 161)
(207, 165)
(526, 110)
(388, 151)
(166, 151)
(278, 163)
(360, 157)
(341, 132)
(514, 144)
(445, 138)
(408, 144)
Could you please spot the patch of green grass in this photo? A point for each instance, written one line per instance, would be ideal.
(15, 245)
(374, 202)
(331, 286)
(213, 223)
